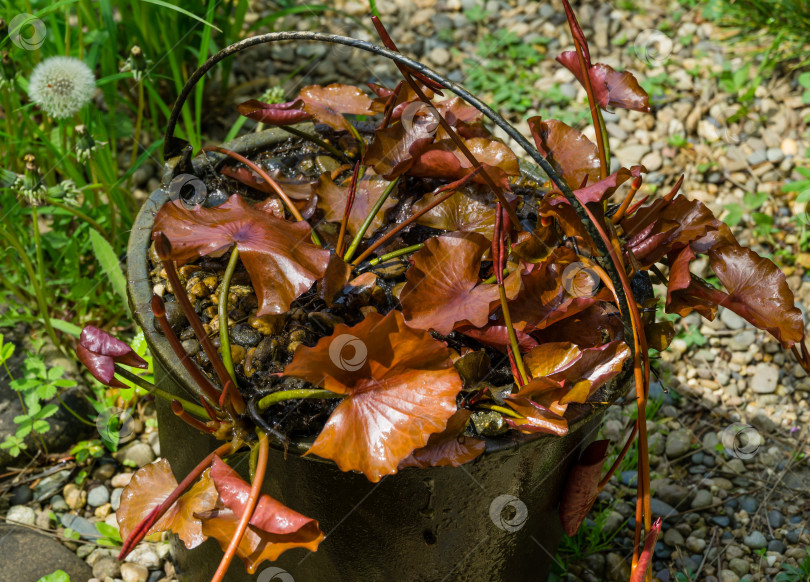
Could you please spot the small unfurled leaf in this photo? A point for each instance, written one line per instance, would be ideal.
(546, 359)
(758, 292)
(449, 447)
(150, 486)
(99, 352)
(288, 113)
(332, 200)
(394, 149)
(639, 573)
(444, 160)
(659, 335)
(469, 209)
(604, 189)
(334, 280)
(592, 370)
(581, 486)
(611, 88)
(400, 386)
(328, 104)
(686, 293)
(443, 287)
(536, 417)
(276, 253)
(570, 153)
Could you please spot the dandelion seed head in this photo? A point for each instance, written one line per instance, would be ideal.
(61, 86)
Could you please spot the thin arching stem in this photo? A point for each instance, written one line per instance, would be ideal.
(222, 312)
(250, 506)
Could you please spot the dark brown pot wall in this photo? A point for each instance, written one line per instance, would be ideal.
(489, 521)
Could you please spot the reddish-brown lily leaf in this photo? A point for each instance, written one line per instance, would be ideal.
(394, 149)
(535, 246)
(99, 352)
(555, 207)
(581, 486)
(288, 113)
(554, 289)
(666, 226)
(277, 254)
(686, 293)
(449, 447)
(334, 280)
(443, 288)
(536, 418)
(611, 88)
(328, 104)
(443, 160)
(295, 190)
(546, 359)
(470, 209)
(270, 515)
(604, 189)
(497, 336)
(332, 200)
(400, 386)
(149, 487)
(587, 328)
(758, 291)
(547, 393)
(570, 153)
(592, 370)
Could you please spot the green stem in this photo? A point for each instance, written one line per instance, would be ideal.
(195, 409)
(283, 395)
(501, 409)
(494, 277)
(316, 140)
(369, 219)
(75, 212)
(8, 235)
(605, 137)
(224, 338)
(360, 143)
(73, 412)
(138, 125)
(395, 254)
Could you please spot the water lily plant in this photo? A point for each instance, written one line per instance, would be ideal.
(553, 278)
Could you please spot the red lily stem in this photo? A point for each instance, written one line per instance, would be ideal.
(499, 260)
(450, 188)
(264, 175)
(636, 206)
(619, 459)
(406, 73)
(586, 80)
(139, 532)
(627, 200)
(208, 389)
(641, 570)
(180, 412)
(674, 190)
(641, 374)
(250, 506)
(208, 408)
(164, 251)
(389, 106)
(347, 210)
(226, 392)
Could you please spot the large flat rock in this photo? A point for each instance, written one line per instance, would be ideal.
(27, 556)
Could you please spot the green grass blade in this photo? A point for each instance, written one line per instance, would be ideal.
(109, 264)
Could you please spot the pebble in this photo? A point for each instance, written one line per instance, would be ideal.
(51, 484)
(20, 495)
(679, 442)
(728, 576)
(777, 546)
(145, 556)
(106, 567)
(440, 56)
(660, 509)
(732, 320)
(721, 520)
(75, 497)
(755, 540)
(775, 155)
(97, 496)
(245, 335)
(134, 572)
(749, 504)
(58, 503)
(137, 454)
(115, 498)
(765, 379)
(21, 514)
(739, 566)
(104, 472)
(673, 538)
(652, 161)
(702, 498)
(121, 480)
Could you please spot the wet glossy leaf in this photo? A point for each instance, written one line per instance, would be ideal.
(394, 150)
(288, 113)
(328, 104)
(594, 368)
(443, 160)
(581, 486)
(150, 486)
(687, 293)
(332, 200)
(569, 152)
(400, 387)
(659, 335)
(549, 358)
(443, 287)
(611, 88)
(277, 254)
(470, 209)
(334, 280)
(639, 573)
(99, 352)
(758, 291)
(497, 336)
(295, 190)
(449, 447)
(604, 189)
(536, 418)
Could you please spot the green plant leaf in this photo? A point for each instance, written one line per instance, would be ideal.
(66, 326)
(735, 214)
(182, 11)
(109, 264)
(58, 576)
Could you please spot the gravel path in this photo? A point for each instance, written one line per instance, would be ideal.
(731, 412)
